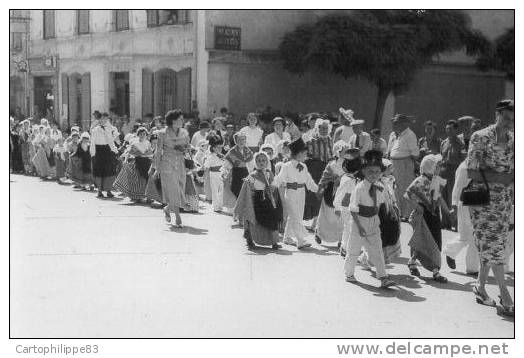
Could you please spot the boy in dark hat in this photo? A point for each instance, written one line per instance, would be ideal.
(296, 178)
(365, 228)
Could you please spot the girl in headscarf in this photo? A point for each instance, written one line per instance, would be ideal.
(60, 159)
(25, 144)
(270, 151)
(132, 178)
(259, 206)
(424, 195)
(329, 225)
(213, 164)
(43, 159)
(283, 155)
(389, 215)
(81, 162)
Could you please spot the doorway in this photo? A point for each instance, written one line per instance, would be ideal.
(44, 98)
(119, 93)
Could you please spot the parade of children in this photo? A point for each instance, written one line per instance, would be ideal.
(302, 183)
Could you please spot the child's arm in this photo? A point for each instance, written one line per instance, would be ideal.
(361, 229)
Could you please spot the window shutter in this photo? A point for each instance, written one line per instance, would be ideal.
(183, 16)
(147, 92)
(65, 98)
(86, 100)
(183, 90)
(49, 24)
(152, 18)
(83, 21)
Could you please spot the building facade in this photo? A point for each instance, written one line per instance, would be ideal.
(134, 62)
(18, 47)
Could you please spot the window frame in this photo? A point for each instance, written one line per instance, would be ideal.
(115, 20)
(157, 18)
(45, 35)
(12, 43)
(78, 27)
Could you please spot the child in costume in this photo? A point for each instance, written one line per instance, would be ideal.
(213, 163)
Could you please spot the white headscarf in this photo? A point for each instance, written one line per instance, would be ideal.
(429, 163)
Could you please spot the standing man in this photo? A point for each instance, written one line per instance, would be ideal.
(453, 152)
(103, 152)
(465, 130)
(360, 139)
(430, 143)
(403, 152)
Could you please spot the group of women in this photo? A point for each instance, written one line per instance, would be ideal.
(161, 165)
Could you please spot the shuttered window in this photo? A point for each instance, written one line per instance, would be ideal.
(82, 21)
(49, 24)
(166, 17)
(121, 18)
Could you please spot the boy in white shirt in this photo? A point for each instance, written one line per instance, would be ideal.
(213, 163)
(296, 178)
(365, 228)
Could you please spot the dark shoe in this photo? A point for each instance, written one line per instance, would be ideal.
(276, 246)
(318, 240)
(483, 299)
(413, 270)
(109, 194)
(439, 278)
(100, 195)
(451, 263)
(342, 252)
(474, 274)
(339, 244)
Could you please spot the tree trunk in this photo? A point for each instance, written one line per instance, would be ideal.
(382, 96)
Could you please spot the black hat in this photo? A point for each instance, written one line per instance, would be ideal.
(507, 104)
(203, 124)
(97, 114)
(297, 146)
(372, 158)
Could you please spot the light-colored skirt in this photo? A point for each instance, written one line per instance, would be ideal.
(329, 225)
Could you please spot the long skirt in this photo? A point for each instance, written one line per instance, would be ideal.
(237, 179)
(173, 180)
(78, 175)
(60, 166)
(491, 225)
(130, 183)
(26, 158)
(41, 163)
(316, 168)
(426, 241)
(17, 163)
(154, 189)
(191, 194)
(207, 186)
(265, 231)
(404, 172)
(104, 167)
(389, 233)
(329, 225)
(229, 199)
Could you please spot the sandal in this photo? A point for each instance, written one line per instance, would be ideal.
(505, 310)
(413, 270)
(318, 240)
(483, 298)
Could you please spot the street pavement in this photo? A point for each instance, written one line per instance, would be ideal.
(86, 267)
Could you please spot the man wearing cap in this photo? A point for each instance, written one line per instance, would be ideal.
(360, 139)
(403, 151)
(278, 134)
(465, 129)
(203, 128)
(103, 151)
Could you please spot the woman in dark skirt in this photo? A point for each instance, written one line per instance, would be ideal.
(17, 164)
(103, 151)
(259, 206)
(389, 215)
(236, 162)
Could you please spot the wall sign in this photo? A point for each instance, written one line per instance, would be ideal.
(227, 38)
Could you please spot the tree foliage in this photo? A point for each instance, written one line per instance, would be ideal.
(502, 56)
(386, 47)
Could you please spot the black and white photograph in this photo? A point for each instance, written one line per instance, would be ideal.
(261, 173)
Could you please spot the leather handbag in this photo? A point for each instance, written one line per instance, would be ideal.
(476, 195)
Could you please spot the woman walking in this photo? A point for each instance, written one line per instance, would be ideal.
(173, 142)
(491, 155)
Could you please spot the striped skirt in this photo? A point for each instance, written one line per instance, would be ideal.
(130, 183)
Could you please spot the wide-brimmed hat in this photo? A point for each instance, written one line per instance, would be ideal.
(85, 135)
(372, 158)
(297, 146)
(401, 118)
(278, 119)
(214, 140)
(203, 125)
